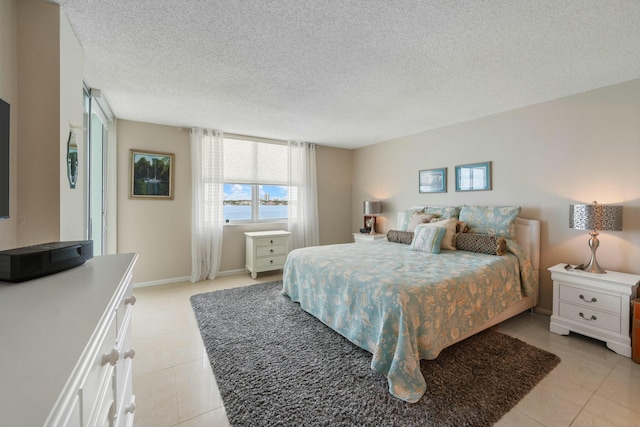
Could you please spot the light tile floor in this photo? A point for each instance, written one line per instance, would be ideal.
(174, 385)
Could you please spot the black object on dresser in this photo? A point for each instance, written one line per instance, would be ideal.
(31, 262)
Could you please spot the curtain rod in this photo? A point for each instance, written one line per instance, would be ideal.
(245, 137)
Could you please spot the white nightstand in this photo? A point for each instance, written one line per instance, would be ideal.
(364, 237)
(266, 250)
(596, 305)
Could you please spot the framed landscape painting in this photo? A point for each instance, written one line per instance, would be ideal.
(151, 175)
(433, 180)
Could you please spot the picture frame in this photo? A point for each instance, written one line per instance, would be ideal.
(151, 175)
(473, 177)
(432, 180)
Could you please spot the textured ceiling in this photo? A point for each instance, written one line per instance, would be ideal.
(347, 73)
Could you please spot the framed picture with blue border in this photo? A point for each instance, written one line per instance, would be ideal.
(473, 177)
(433, 180)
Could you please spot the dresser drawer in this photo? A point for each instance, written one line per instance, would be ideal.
(590, 299)
(274, 262)
(271, 241)
(100, 374)
(588, 316)
(271, 250)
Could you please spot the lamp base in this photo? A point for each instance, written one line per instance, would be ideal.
(593, 266)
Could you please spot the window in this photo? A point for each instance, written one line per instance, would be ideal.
(255, 181)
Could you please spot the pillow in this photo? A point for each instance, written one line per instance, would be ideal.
(450, 225)
(482, 243)
(418, 219)
(398, 236)
(493, 220)
(407, 217)
(443, 211)
(428, 239)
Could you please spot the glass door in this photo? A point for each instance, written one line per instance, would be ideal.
(97, 132)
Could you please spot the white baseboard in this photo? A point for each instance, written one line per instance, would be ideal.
(161, 282)
(184, 279)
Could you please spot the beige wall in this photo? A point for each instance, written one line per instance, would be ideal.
(160, 230)
(9, 93)
(545, 157)
(38, 122)
(41, 77)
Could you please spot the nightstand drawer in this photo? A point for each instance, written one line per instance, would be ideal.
(272, 241)
(276, 262)
(271, 250)
(590, 317)
(590, 299)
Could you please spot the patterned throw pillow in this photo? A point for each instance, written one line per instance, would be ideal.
(494, 220)
(398, 236)
(428, 239)
(443, 211)
(481, 243)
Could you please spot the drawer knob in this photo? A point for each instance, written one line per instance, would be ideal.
(593, 317)
(271, 262)
(271, 241)
(592, 299)
(130, 300)
(111, 358)
(129, 354)
(271, 251)
(130, 409)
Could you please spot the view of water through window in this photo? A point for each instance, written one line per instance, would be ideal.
(238, 202)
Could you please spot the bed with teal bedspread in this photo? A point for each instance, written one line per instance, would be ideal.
(402, 305)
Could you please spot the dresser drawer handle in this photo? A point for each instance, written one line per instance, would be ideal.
(111, 358)
(129, 354)
(271, 262)
(271, 241)
(271, 251)
(130, 300)
(130, 409)
(592, 299)
(593, 317)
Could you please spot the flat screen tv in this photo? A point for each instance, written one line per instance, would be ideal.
(4, 159)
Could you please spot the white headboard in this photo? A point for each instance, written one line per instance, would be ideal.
(527, 236)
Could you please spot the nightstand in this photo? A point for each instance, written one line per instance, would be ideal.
(595, 305)
(266, 251)
(364, 237)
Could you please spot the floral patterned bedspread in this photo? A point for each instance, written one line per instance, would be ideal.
(403, 305)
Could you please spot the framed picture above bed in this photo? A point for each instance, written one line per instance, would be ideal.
(473, 177)
(433, 180)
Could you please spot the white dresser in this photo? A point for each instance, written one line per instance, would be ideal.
(266, 250)
(65, 347)
(596, 305)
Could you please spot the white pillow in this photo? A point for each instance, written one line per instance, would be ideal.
(450, 224)
(428, 239)
(417, 219)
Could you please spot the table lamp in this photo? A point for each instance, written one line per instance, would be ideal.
(595, 217)
(373, 208)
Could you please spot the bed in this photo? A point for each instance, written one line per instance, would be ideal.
(403, 305)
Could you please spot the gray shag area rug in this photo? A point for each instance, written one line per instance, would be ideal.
(276, 365)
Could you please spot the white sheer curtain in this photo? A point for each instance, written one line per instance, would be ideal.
(303, 195)
(207, 219)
